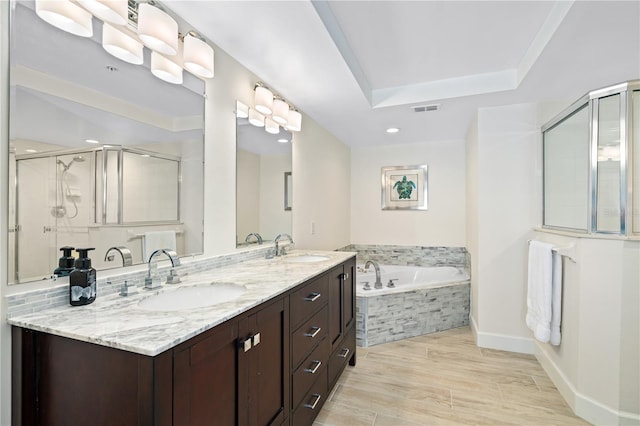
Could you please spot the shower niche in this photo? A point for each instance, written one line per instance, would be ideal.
(94, 198)
(591, 157)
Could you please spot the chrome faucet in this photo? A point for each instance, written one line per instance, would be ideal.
(282, 252)
(253, 234)
(152, 281)
(378, 283)
(124, 252)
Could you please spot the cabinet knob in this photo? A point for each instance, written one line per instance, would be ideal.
(256, 339)
(314, 332)
(313, 297)
(315, 399)
(245, 345)
(316, 364)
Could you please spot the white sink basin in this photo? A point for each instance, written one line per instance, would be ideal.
(193, 297)
(307, 258)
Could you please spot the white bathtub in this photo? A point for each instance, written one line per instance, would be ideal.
(407, 278)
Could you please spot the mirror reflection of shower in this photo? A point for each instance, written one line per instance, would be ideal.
(65, 193)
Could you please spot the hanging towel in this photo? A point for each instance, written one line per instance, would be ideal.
(155, 240)
(540, 289)
(556, 298)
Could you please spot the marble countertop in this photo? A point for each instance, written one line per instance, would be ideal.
(119, 322)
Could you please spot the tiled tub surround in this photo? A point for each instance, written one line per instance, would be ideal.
(118, 322)
(401, 315)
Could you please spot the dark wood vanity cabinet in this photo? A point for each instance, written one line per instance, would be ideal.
(272, 365)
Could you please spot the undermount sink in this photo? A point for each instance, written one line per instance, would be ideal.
(193, 297)
(307, 258)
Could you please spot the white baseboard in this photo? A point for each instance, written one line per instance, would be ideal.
(501, 342)
(583, 406)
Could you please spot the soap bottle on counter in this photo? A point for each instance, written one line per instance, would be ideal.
(82, 280)
(65, 263)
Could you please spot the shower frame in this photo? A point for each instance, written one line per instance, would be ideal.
(592, 101)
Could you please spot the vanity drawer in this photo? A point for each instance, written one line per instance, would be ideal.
(308, 335)
(308, 300)
(311, 403)
(314, 366)
(341, 355)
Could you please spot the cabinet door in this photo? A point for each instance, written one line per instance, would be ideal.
(341, 301)
(205, 379)
(267, 363)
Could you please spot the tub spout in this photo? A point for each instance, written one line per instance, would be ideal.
(378, 283)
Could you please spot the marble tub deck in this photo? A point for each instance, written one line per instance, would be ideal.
(119, 322)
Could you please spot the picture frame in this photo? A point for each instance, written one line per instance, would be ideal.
(288, 191)
(404, 187)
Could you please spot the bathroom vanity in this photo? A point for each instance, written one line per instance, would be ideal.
(271, 356)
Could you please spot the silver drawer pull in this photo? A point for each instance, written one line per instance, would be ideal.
(344, 353)
(315, 367)
(316, 399)
(313, 297)
(314, 333)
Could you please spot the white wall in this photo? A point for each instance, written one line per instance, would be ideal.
(443, 224)
(504, 170)
(471, 174)
(321, 189)
(274, 219)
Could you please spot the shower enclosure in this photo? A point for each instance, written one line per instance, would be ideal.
(591, 155)
(87, 198)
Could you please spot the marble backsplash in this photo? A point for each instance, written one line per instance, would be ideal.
(110, 282)
(457, 257)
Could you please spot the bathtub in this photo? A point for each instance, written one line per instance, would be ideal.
(423, 300)
(406, 278)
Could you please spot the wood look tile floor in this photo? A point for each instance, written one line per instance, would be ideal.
(444, 379)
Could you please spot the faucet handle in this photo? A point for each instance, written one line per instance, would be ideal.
(151, 283)
(128, 288)
(173, 277)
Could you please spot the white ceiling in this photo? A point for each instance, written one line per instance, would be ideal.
(357, 67)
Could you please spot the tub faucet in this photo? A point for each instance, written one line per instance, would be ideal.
(253, 234)
(124, 252)
(378, 283)
(282, 252)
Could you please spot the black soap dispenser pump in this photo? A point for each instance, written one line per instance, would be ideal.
(82, 280)
(65, 264)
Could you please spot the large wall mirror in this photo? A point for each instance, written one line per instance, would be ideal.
(263, 183)
(102, 153)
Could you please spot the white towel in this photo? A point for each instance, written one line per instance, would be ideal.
(155, 240)
(540, 289)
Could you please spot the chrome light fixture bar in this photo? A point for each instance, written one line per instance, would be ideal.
(130, 24)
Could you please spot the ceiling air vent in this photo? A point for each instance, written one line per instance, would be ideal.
(426, 108)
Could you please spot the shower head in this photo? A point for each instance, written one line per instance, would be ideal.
(77, 159)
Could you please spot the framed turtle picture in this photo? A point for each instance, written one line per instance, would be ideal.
(404, 187)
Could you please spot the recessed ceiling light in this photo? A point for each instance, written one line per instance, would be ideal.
(283, 140)
(91, 141)
(392, 130)
(31, 151)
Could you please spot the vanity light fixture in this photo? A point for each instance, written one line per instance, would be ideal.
(271, 126)
(276, 109)
(165, 69)
(113, 11)
(242, 111)
(157, 30)
(66, 15)
(256, 118)
(280, 111)
(197, 55)
(294, 123)
(283, 140)
(392, 130)
(121, 45)
(263, 99)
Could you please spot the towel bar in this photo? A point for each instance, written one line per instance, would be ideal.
(565, 251)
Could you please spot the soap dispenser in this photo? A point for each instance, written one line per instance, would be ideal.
(82, 280)
(65, 264)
